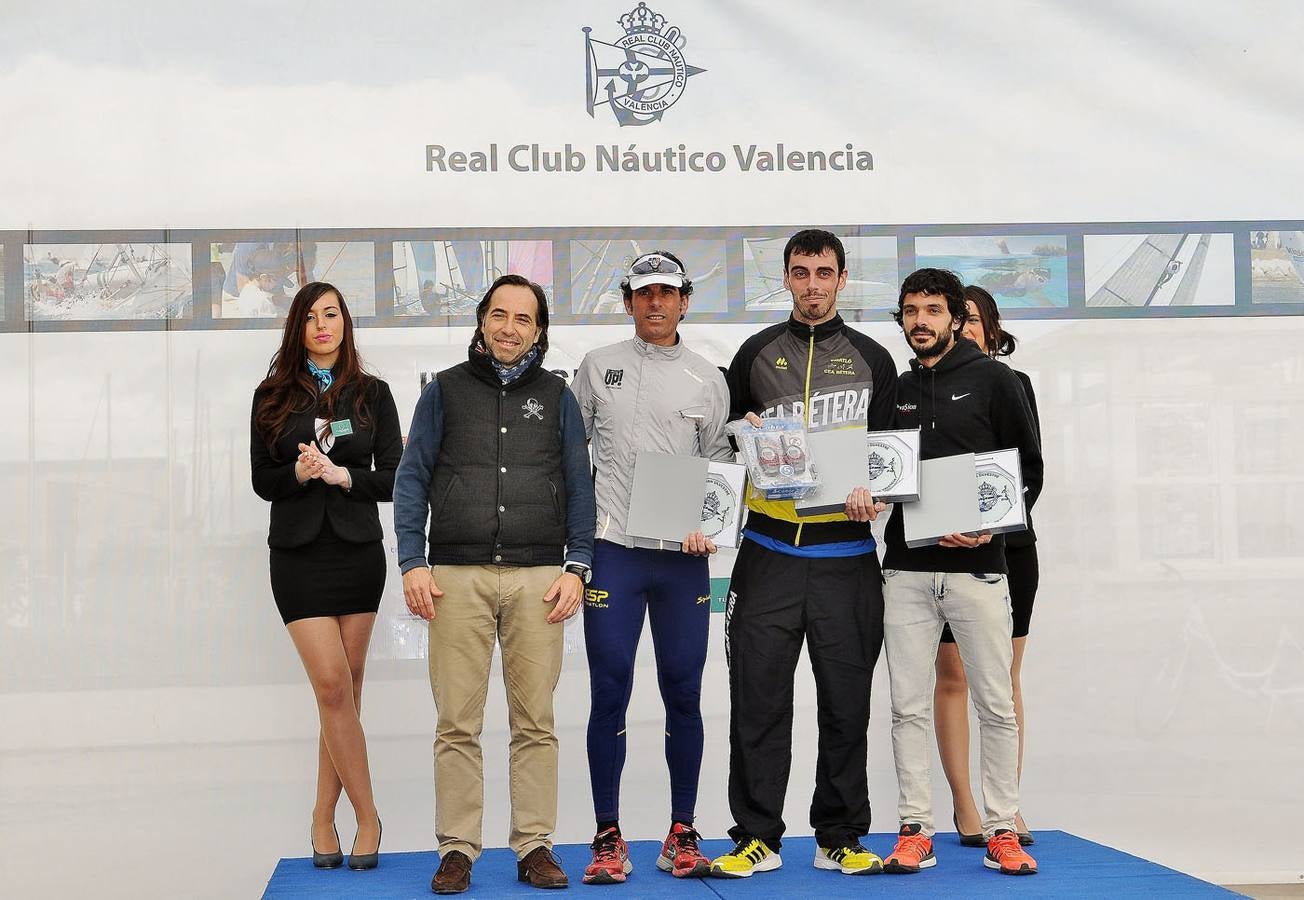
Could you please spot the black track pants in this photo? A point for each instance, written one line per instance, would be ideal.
(836, 605)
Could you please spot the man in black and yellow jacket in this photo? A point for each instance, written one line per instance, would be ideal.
(805, 576)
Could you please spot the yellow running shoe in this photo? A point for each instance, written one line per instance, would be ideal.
(850, 860)
(750, 855)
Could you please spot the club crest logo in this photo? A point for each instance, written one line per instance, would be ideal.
(718, 505)
(995, 495)
(885, 467)
(533, 408)
(640, 75)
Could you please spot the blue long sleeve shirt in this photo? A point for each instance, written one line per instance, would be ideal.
(416, 470)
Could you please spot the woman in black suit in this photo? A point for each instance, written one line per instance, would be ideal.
(324, 447)
(950, 700)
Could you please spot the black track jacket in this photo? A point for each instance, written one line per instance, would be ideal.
(831, 375)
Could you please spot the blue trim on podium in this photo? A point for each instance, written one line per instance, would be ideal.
(1072, 868)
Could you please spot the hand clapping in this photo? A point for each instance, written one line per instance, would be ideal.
(312, 463)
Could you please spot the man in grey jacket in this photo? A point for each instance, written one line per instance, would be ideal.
(649, 393)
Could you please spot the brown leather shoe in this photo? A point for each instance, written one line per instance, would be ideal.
(539, 869)
(453, 875)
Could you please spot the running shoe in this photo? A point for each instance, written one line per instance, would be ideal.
(912, 852)
(680, 855)
(852, 859)
(610, 859)
(749, 856)
(1005, 855)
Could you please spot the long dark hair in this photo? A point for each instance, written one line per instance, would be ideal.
(289, 388)
(999, 342)
(541, 317)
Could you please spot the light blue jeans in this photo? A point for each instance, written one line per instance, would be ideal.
(977, 607)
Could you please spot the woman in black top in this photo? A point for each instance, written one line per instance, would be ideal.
(324, 446)
(950, 701)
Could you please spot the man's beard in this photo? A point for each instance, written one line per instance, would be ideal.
(935, 349)
(825, 304)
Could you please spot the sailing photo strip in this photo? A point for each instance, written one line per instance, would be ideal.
(222, 278)
(258, 279)
(108, 281)
(1159, 269)
(448, 278)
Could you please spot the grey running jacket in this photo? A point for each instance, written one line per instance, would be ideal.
(637, 396)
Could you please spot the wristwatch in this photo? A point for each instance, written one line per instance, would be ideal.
(584, 573)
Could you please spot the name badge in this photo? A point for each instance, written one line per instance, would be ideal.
(340, 429)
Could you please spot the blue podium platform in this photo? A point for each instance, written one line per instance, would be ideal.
(1071, 867)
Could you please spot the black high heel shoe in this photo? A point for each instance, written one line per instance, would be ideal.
(331, 860)
(368, 860)
(967, 840)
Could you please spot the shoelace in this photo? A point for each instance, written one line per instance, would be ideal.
(916, 843)
(606, 846)
(687, 839)
(747, 848)
(1005, 843)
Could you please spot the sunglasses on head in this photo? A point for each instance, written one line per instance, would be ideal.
(655, 265)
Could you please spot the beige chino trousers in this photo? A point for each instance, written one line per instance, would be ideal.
(481, 603)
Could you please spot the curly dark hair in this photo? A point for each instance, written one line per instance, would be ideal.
(934, 283)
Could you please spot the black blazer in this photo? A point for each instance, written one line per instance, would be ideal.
(298, 511)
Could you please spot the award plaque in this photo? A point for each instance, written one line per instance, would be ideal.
(948, 504)
(675, 495)
(665, 502)
(894, 465)
(1000, 492)
(842, 469)
(723, 502)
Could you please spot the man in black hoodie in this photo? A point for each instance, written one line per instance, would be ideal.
(963, 401)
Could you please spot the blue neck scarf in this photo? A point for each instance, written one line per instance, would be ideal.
(508, 374)
(324, 377)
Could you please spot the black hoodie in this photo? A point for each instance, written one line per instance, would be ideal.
(966, 403)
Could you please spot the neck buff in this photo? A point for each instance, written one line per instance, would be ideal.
(324, 377)
(508, 374)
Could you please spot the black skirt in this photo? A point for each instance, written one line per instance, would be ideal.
(328, 577)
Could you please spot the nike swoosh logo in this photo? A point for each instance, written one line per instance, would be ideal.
(960, 396)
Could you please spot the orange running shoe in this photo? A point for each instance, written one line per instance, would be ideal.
(680, 855)
(1005, 854)
(913, 851)
(610, 859)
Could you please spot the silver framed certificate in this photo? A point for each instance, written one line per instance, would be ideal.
(894, 465)
(1000, 491)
